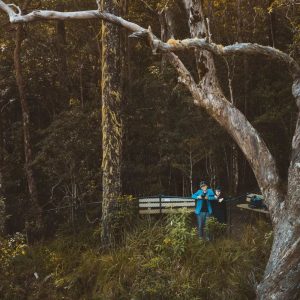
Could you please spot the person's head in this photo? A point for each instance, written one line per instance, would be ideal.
(218, 191)
(203, 186)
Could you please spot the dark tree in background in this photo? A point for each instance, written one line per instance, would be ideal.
(35, 213)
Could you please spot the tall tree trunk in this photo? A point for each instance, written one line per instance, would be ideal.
(35, 215)
(111, 121)
(281, 278)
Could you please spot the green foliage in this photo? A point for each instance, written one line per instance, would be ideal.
(157, 260)
(215, 229)
(164, 132)
(291, 11)
(124, 216)
(12, 251)
(68, 160)
(178, 235)
(38, 272)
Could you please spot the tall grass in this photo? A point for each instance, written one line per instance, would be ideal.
(161, 259)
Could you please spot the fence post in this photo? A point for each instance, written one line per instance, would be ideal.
(160, 204)
(229, 217)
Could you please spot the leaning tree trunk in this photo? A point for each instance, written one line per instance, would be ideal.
(208, 94)
(34, 221)
(111, 121)
(281, 278)
(282, 275)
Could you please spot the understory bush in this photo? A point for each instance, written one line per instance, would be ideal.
(157, 259)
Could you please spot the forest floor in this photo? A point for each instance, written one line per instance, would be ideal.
(154, 259)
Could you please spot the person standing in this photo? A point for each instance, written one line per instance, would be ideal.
(219, 207)
(203, 208)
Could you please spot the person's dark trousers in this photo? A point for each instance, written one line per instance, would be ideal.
(201, 220)
(220, 211)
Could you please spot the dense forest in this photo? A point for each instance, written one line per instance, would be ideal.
(65, 84)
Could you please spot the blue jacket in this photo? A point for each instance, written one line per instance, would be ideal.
(199, 202)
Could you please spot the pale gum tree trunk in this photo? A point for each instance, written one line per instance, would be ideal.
(111, 121)
(286, 243)
(282, 275)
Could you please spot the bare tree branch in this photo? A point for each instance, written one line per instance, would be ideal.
(158, 45)
(98, 4)
(17, 8)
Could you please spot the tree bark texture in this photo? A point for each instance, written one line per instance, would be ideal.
(111, 121)
(282, 275)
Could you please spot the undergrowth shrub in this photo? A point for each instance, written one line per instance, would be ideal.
(12, 249)
(179, 234)
(124, 216)
(215, 228)
(162, 259)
